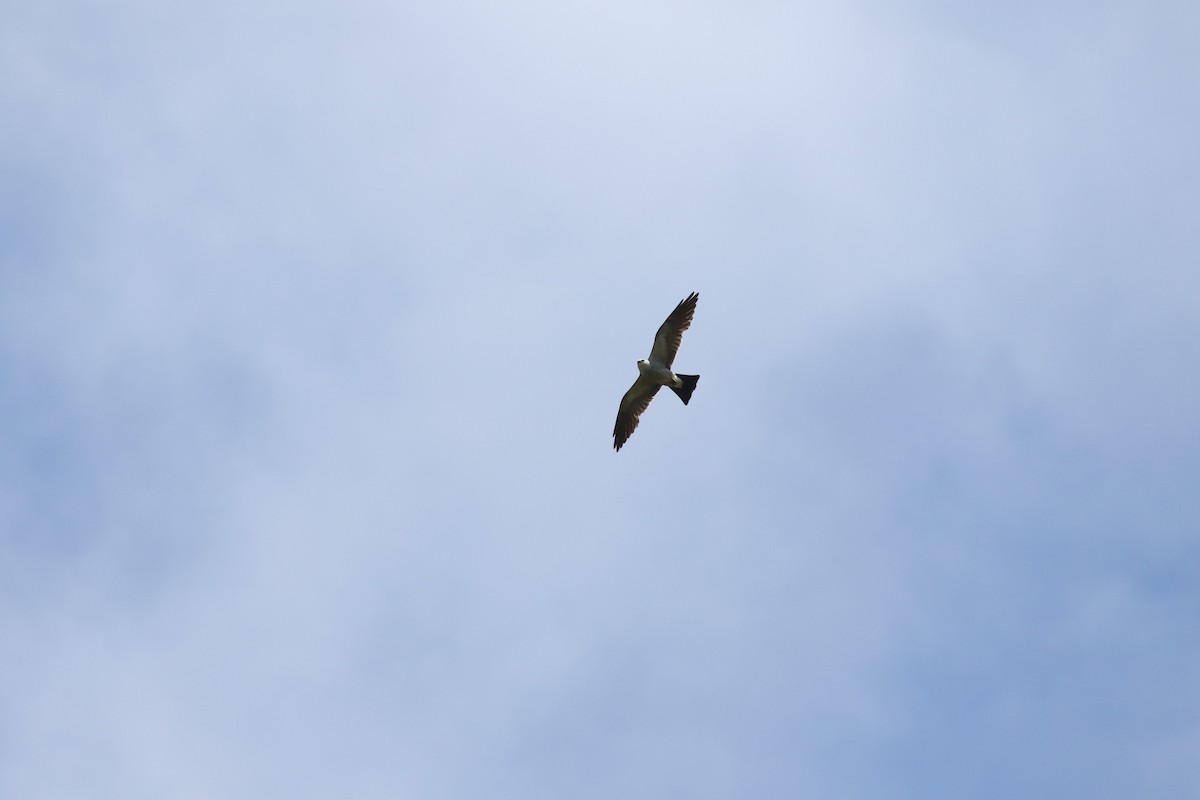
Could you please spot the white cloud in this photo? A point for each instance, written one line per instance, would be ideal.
(314, 327)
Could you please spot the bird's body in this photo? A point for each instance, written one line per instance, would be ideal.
(661, 375)
(658, 373)
(655, 372)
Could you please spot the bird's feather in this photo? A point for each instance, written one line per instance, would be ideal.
(670, 333)
(633, 404)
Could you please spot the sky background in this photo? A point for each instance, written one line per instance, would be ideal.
(314, 319)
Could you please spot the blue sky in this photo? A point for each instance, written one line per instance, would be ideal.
(313, 325)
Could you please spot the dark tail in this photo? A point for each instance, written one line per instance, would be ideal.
(689, 386)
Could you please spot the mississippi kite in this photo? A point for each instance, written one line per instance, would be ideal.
(655, 372)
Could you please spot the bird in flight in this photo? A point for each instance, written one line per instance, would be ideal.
(655, 372)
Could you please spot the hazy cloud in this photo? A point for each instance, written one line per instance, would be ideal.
(313, 325)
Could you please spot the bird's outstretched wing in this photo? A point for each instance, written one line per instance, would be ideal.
(670, 333)
(632, 405)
